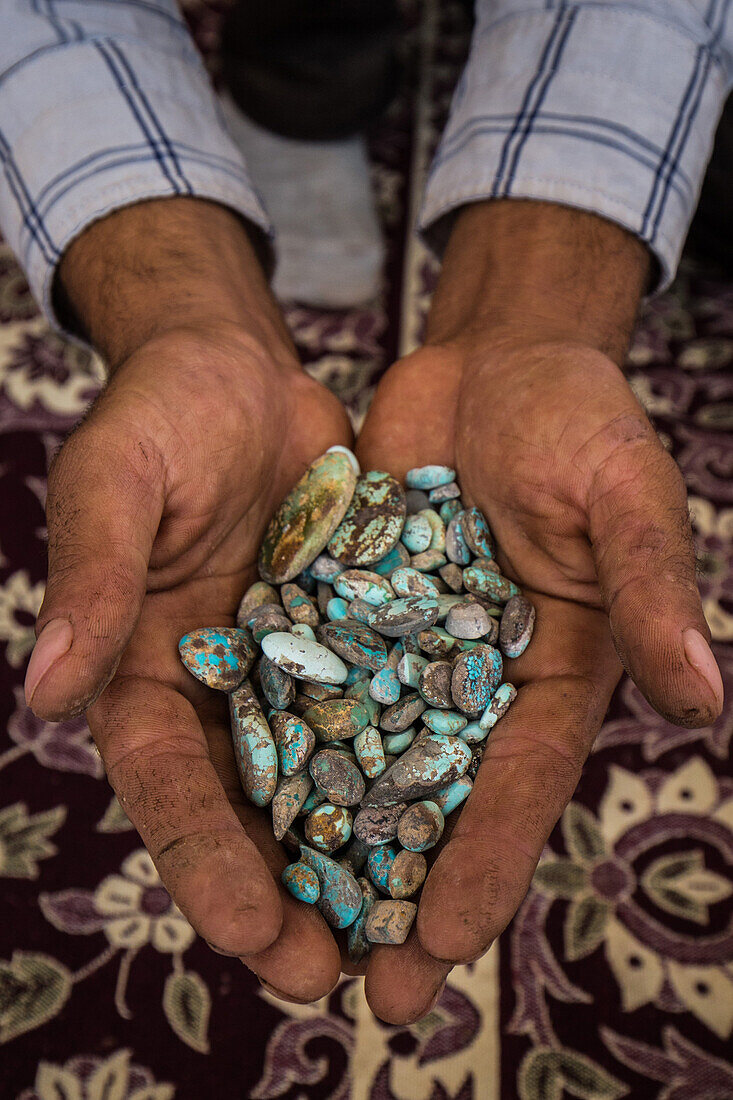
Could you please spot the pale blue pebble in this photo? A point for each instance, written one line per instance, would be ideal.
(417, 533)
(396, 743)
(429, 477)
(385, 686)
(450, 798)
(473, 733)
(499, 704)
(444, 721)
(302, 630)
(337, 608)
(379, 861)
(370, 752)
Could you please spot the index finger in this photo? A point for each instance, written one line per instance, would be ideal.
(531, 766)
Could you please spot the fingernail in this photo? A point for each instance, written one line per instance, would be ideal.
(279, 993)
(54, 640)
(700, 656)
(438, 995)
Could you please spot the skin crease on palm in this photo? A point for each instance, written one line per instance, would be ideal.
(157, 505)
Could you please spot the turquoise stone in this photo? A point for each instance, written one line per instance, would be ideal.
(356, 940)
(341, 897)
(427, 766)
(429, 477)
(396, 743)
(476, 676)
(307, 518)
(218, 656)
(417, 533)
(304, 659)
(254, 746)
(381, 858)
(361, 584)
(302, 882)
(450, 798)
(294, 741)
(437, 530)
(409, 669)
(328, 827)
(473, 733)
(456, 546)
(337, 608)
(449, 509)
(288, 800)
(302, 630)
(373, 523)
(385, 687)
(421, 826)
(355, 643)
(501, 700)
(444, 721)
(370, 752)
(483, 581)
(386, 566)
(477, 533)
(404, 616)
(411, 582)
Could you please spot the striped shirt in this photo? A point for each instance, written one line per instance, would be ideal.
(606, 105)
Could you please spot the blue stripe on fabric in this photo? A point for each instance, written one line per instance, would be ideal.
(192, 157)
(152, 9)
(102, 48)
(525, 105)
(582, 135)
(216, 160)
(549, 77)
(674, 159)
(29, 214)
(163, 138)
(466, 131)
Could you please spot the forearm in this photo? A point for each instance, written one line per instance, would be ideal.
(532, 270)
(161, 266)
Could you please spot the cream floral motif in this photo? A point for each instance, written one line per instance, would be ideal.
(651, 963)
(86, 1077)
(18, 597)
(136, 909)
(37, 366)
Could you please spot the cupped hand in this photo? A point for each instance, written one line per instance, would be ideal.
(591, 516)
(156, 508)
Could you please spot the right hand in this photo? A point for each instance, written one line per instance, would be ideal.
(156, 507)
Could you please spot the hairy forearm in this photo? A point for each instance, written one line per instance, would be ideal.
(166, 265)
(532, 270)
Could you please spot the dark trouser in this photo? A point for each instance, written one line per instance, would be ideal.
(312, 69)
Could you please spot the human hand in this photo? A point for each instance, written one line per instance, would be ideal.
(156, 508)
(517, 389)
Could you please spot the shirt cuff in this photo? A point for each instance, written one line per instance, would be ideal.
(610, 109)
(136, 123)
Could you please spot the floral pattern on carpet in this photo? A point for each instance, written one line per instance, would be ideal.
(616, 977)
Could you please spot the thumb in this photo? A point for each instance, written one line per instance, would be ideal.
(105, 500)
(640, 532)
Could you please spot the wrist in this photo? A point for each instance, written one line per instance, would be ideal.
(519, 271)
(166, 266)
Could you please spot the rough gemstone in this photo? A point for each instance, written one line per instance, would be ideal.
(304, 659)
(340, 779)
(307, 518)
(476, 676)
(373, 522)
(254, 746)
(220, 657)
(390, 921)
(516, 626)
(421, 826)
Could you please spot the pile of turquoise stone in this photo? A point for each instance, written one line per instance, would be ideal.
(364, 674)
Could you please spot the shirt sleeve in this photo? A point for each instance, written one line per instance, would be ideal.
(103, 103)
(604, 105)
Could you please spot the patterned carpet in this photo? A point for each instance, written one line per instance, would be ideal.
(615, 979)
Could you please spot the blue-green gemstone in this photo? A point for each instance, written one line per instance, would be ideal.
(302, 882)
(381, 858)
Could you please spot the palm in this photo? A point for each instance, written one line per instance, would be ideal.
(164, 737)
(521, 468)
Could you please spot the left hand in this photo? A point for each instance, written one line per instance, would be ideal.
(590, 513)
